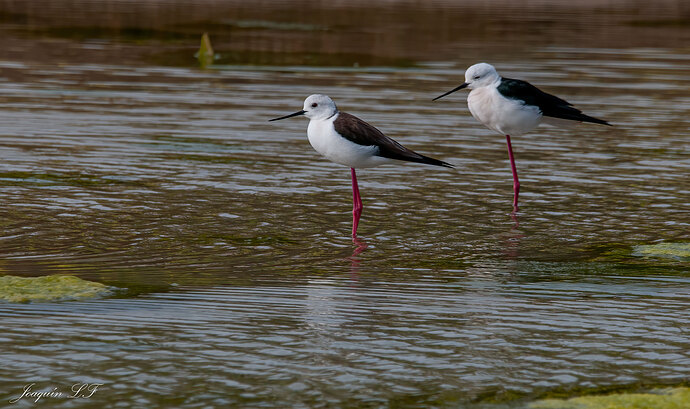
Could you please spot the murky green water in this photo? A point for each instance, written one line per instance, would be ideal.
(123, 163)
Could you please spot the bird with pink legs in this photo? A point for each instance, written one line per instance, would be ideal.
(347, 140)
(514, 107)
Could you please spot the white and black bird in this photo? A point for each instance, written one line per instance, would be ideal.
(348, 140)
(514, 107)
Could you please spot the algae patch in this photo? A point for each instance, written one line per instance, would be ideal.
(662, 257)
(678, 251)
(49, 288)
(675, 398)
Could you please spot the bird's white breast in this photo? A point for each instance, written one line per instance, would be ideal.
(503, 115)
(326, 141)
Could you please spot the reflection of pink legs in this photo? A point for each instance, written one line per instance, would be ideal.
(516, 182)
(361, 246)
(354, 260)
(356, 203)
(512, 244)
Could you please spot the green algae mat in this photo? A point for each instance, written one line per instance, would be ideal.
(675, 398)
(49, 288)
(678, 251)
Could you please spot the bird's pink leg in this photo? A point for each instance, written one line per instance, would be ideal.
(516, 181)
(356, 203)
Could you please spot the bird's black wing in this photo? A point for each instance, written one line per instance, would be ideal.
(360, 132)
(550, 105)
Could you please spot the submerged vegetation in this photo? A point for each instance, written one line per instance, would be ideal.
(49, 288)
(205, 54)
(677, 251)
(675, 398)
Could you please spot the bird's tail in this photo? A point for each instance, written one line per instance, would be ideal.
(411, 156)
(431, 161)
(573, 114)
(587, 118)
(394, 150)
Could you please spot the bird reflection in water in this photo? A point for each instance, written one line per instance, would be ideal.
(513, 237)
(361, 245)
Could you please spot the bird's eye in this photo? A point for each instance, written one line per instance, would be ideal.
(476, 77)
(314, 105)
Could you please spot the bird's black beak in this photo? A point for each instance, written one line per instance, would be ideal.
(302, 112)
(452, 91)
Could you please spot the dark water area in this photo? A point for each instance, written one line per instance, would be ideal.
(228, 238)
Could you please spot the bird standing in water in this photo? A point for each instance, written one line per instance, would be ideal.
(348, 140)
(514, 107)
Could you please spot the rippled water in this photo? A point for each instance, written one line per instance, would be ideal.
(124, 163)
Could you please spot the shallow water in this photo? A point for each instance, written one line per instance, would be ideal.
(124, 163)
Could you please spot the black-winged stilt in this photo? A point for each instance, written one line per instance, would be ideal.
(513, 107)
(348, 140)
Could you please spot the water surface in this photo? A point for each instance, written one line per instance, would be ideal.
(124, 163)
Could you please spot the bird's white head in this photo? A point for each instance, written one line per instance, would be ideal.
(316, 107)
(319, 106)
(481, 75)
(477, 76)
